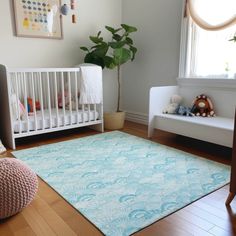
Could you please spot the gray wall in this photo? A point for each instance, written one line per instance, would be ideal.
(158, 43)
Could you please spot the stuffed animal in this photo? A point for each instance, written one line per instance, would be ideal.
(175, 101)
(60, 99)
(184, 111)
(30, 105)
(67, 100)
(18, 109)
(202, 106)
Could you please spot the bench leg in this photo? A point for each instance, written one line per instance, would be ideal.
(230, 198)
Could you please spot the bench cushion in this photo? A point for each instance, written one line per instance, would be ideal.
(217, 130)
(217, 122)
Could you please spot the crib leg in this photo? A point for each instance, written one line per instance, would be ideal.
(98, 127)
(9, 141)
(12, 144)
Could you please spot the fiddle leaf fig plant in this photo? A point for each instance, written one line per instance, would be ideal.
(113, 53)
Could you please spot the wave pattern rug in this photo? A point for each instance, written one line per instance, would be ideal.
(123, 183)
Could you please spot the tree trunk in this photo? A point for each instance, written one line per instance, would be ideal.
(118, 80)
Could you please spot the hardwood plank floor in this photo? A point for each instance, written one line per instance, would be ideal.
(50, 214)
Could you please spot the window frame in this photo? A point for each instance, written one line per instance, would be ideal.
(185, 52)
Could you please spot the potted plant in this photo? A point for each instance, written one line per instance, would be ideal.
(112, 54)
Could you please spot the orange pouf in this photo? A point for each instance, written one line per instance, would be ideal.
(18, 186)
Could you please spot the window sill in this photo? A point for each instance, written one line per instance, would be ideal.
(229, 84)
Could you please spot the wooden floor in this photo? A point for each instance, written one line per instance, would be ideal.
(50, 215)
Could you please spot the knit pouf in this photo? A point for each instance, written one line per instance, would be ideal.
(18, 186)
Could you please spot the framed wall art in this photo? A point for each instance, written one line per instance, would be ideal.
(38, 18)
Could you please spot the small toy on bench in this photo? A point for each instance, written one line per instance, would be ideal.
(202, 106)
(184, 111)
(175, 101)
(174, 107)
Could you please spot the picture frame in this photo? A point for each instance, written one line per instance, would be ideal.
(38, 18)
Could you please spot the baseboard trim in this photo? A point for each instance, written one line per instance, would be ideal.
(137, 117)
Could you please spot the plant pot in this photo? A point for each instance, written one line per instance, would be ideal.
(114, 120)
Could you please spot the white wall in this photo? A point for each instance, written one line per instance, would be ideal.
(93, 15)
(158, 41)
(158, 23)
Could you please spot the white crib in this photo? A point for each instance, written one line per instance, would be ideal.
(36, 101)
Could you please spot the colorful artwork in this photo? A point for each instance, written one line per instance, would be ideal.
(38, 18)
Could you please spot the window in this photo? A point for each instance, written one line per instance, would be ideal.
(209, 53)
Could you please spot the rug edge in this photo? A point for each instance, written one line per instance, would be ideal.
(132, 234)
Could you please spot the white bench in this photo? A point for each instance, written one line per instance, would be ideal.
(217, 129)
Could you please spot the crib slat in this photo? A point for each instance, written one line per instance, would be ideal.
(83, 110)
(70, 102)
(89, 116)
(63, 98)
(34, 100)
(76, 98)
(56, 98)
(95, 111)
(17, 102)
(49, 100)
(25, 101)
(41, 99)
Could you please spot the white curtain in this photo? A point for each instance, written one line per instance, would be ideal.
(212, 15)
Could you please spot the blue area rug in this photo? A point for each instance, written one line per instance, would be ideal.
(123, 183)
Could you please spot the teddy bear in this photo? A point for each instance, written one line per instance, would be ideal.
(202, 106)
(175, 101)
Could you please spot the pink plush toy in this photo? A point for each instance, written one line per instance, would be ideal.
(18, 109)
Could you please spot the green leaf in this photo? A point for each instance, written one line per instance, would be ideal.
(129, 41)
(119, 44)
(99, 33)
(117, 30)
(95, 46)
(84, 49)
(133, 50)
(128, 28)
(102, 44)
(112, 30)
(101, 50)
(94, 59)
(117, 37)
(96, 39)
(121, 55)
(109, 62)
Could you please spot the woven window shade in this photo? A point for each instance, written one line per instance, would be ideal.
(205, 13)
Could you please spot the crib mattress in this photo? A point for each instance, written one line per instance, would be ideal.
(62, 120)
